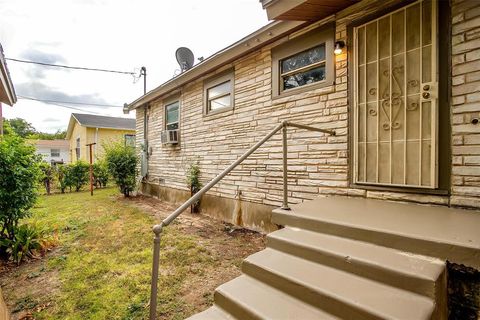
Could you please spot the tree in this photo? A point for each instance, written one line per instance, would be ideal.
(47, 175)
(19, 172)
(122, 164)
(48, 136)
(193, 182)
(21, 127)
(100, 173)
(64, 176)
(79, 174)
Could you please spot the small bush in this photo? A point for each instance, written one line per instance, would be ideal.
(19, 175)
(64, 177)
(122, 165)
(100, 173)
(47, 176)
(27, 240)
(193, 182)
(78, 174)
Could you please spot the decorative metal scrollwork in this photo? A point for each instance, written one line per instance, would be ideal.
(372, 91)
(413, 83)
(372, 112)
(394, 102)
(412, 107)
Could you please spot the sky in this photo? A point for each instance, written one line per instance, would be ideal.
(119, 35)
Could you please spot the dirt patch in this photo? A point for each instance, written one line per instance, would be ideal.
(28, 287)
(228, 245)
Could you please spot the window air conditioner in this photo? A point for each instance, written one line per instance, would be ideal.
(170, 136)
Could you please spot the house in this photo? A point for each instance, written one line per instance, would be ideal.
(377, 208)
(7, 92)
(53, 151)
(84, 129)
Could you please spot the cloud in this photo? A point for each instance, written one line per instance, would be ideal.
(51, 120)
(38, 71)
(38, 90)
(40, 56)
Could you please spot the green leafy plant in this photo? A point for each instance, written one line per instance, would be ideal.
(193, 182)
(100, 173)
(122, 165)
(47, 175)
(64, 177)
(19, 174)
(78, 174)
(27, 241)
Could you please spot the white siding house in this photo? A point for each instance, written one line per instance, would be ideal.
(53, 150)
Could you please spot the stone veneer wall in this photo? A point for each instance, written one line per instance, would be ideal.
(318, 164)
(465, 103)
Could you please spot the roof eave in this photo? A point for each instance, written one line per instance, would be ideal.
(7, 82)
(265, 35)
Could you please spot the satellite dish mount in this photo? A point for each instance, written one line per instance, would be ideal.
(185, 58)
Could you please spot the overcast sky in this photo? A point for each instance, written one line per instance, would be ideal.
(109, 34)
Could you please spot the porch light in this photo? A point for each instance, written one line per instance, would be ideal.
(339, 45)
(125, 109)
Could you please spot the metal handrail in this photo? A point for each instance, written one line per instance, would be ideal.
(157, 229)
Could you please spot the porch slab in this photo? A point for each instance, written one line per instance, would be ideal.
(447, 233)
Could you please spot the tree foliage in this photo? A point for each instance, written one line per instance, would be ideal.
(122, 164)
(21, 127)
(47, 175)
(193, 182)
(19, 174)
(78, 174)
(100, 173)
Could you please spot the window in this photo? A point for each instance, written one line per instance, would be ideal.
(54, 153)
(304, 62)
(218, 93)
(130, 140)
(172, 115)
(303, 68)
(77, 149)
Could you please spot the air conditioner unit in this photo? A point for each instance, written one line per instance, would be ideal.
(170, 136)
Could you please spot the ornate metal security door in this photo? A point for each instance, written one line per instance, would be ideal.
(396, 98)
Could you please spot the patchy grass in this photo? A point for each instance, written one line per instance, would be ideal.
(101, 267)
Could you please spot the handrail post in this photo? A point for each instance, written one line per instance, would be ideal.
(157, 230)
(285, 167)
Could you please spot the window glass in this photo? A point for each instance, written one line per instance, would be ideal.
(218, 103)
(221, 89)
(302, 78)
(130, 140)
(303, 59)
(77, 149)
(54, 152)
(171, 115)
(219, 96)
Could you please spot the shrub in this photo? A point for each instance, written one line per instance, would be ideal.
(27, 240)
(47, 175)
(19, 172)
(122, 165)
(193, 182)
(64, 177)
(78, 174)
(100, 173)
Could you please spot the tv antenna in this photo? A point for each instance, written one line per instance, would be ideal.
(185, 58)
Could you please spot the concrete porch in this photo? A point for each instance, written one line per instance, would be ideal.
(351, 258)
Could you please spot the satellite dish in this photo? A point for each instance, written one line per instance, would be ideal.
(185, 58)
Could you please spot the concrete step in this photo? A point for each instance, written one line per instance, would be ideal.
(337, 292)
(445, 233)
(247, 298)
(416, 273)
(212, 313)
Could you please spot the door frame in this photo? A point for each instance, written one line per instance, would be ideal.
(443, 103)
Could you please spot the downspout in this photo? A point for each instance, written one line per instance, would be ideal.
(96, 143)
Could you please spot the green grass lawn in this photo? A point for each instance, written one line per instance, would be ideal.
(101, 265)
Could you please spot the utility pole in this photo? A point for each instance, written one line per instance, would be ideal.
(143, 72)
(91, 166)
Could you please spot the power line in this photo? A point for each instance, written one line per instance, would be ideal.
(70, 67)
(64, 106)
(69, 102)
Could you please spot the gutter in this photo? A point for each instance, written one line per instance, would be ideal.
(265, 35)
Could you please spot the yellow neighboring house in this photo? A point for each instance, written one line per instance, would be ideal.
(84, 129)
